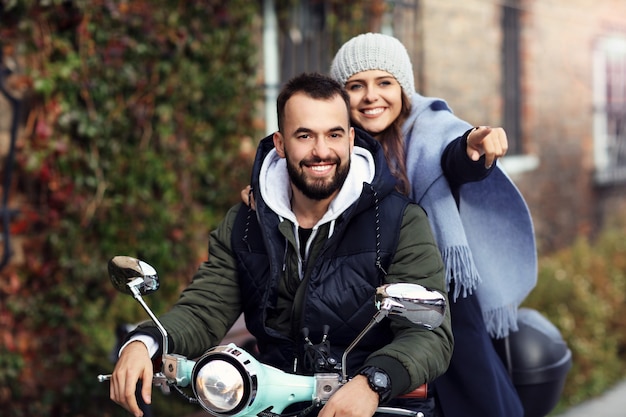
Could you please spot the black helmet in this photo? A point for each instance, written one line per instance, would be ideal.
(538, 360)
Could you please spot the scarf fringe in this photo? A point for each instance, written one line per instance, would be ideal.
(460, 268)
(501, 321)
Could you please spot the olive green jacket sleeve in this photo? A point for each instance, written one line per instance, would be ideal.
(416, 356)
(210, 305)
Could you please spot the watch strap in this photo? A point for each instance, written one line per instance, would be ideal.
(378, 380)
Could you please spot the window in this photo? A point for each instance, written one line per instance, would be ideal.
(517, 160)
(511, 89)
(609, 107)
(305, 42)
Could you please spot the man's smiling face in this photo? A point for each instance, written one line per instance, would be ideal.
(317, 142)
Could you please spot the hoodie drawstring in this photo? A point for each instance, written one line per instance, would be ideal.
(247, 228)
(379, 264)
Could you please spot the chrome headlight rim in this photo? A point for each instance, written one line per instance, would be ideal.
(226, 356)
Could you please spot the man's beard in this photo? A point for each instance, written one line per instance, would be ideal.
(319, 189)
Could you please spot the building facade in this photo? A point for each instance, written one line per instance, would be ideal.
(551, 72)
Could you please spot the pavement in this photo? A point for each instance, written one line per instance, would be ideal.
(610, 404)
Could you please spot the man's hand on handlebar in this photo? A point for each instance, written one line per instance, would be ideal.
(354, 399)
(134, 364)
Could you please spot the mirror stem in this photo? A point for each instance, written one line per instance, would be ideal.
(137, 296)
(380, 314)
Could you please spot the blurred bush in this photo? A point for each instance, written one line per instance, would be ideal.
(582, 290)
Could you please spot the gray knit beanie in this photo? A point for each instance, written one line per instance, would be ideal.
(374, 51)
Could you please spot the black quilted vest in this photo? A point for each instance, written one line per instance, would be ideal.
(342, 281)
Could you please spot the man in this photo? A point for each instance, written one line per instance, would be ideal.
(328, 229)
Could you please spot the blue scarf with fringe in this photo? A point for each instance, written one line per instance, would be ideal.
(487, 242)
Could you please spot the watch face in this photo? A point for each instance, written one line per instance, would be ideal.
(380, 379)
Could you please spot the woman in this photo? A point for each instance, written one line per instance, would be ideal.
(481, 222)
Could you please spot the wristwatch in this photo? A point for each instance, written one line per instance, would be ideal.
(379, 381)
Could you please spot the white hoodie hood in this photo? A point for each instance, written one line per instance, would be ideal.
(275, 187)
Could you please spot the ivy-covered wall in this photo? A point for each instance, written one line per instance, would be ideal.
(138, 131)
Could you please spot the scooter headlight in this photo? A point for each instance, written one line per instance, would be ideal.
(219, 386)
(221, 382)
(229, 382)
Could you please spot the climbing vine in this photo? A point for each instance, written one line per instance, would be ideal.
(138, 126)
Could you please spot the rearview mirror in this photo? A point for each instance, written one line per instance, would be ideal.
(129, 274)
(412, 303)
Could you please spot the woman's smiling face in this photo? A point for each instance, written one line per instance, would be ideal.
(375, 100)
